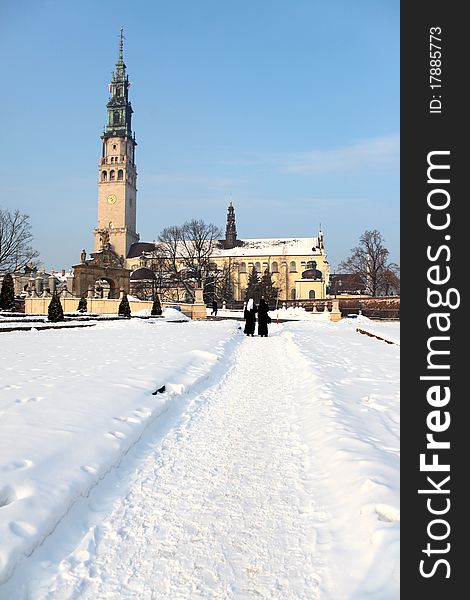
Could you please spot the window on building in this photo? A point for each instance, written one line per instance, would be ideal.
(242, 268)
(258, 266)
(112, 175)
(274, 267)
(114, 146)
(116, 117)
(104, 176)
(293, 267)
(292, 294)
(120, 174)
(311, 295)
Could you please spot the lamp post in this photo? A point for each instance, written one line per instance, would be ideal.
(337, 285)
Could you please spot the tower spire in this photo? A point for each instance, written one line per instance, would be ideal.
(120, 62)
(119, 107)
(231, 229)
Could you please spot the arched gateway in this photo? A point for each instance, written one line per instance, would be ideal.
(103, 265)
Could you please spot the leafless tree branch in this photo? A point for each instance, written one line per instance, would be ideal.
(15, 241)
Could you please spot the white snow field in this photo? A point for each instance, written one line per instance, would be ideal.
(267, 468)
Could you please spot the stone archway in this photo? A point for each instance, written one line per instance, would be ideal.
(104, 265)
(104, 288)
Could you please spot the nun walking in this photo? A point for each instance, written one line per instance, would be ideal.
(263, 318)
(250, 317)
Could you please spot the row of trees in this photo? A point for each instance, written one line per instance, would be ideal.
(183, 260)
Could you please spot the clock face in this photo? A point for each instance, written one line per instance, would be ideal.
(112, 199)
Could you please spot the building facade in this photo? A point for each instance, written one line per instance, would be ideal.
(298, 266)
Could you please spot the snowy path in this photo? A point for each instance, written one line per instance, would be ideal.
(220, 509)
(269, 468)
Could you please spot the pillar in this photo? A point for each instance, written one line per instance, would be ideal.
(199, 308)
(335, 314)
(52, 284)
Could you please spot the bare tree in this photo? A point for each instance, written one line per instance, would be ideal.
(390, 283)
(15, 241)
(166, 258)
(186, 251)
(369, 260)
(198, 242)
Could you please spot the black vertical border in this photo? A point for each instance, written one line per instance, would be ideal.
(421, 133)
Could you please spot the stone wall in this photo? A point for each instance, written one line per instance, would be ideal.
(39, 306)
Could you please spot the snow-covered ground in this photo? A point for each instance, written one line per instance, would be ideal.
(269, 467)
(387, 330)
(291, 313)
(42, 322)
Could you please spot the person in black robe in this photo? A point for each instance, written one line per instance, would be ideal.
(214, 308)
(250, 317)
(263, 318)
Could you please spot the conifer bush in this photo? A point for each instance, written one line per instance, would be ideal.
(82, 305)
(124, 308)
(55, 311)
(7, 293)
(253, 287)
(268, 291)
(156, 307)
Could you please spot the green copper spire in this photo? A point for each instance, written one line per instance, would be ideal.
(119, 107)
(120, 66)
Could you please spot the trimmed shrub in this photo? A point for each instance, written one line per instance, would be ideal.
(7, 294)
(124, 308)
(55, 311)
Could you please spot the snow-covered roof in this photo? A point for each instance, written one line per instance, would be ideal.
(273, 247)
(260, 247)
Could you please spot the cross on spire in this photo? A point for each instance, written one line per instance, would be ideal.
(121, 45)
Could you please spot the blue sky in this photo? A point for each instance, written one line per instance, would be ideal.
(290, 107)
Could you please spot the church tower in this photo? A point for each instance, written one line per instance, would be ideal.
(230, 229)
(117, 191)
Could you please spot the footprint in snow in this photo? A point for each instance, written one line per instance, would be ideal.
(89, 469)
(116, 434)
(127, 420)
(384, 512)
(18, 465)
(370, 484)
(7, 495)
(29, 399)
(22, 529)
(387, 513)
